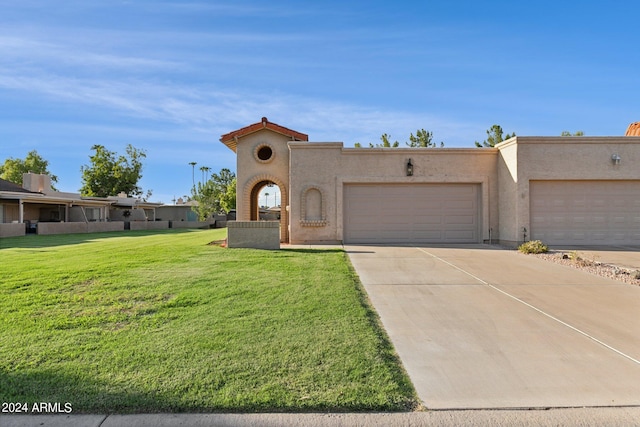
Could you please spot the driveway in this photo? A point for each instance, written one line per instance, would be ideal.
(480, 327)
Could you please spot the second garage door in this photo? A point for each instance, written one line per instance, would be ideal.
(585, 212)
(411, 213)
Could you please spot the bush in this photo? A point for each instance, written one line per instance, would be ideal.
(533, 247)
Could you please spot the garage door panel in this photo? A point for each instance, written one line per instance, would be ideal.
(427, 222)
(464, 205)
(585, 212)
(411, 213)
(460, 236)
(460, 219)
(428, 235)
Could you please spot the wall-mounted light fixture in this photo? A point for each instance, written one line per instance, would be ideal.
(616, 159)
(409, 168)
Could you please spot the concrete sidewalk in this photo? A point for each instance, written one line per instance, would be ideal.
(594, 417)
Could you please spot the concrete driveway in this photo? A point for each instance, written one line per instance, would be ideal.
(481, 327)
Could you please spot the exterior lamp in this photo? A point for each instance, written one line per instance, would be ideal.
(409, 168)
(616, 159)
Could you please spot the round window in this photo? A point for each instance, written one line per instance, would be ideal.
(264, 153)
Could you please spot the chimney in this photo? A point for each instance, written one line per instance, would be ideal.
(37, 182)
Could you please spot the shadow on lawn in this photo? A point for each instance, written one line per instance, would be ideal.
(47, 241)
(82, 394)
(78, 394)
(312, 251)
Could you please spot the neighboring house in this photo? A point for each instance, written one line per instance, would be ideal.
(36, 208)
(181, 211)
(561, 190)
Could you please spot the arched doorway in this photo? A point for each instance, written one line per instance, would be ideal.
(258, 208)
(252, 200)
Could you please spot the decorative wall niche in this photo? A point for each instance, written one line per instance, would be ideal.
(313, 210)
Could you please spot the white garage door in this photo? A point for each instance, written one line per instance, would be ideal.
(411, 213)
(585, 212)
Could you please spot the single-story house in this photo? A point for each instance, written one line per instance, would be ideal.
(561, 190)
(37, 208)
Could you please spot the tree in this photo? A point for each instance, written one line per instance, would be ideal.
(215, 195)
(422, 139)
(109, 175)
(385, 143)
(567, 133)
(228, 199)
(193, 173)
(13, 169)
(494, 137)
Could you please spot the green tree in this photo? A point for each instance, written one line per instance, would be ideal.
(422, 138)
(386, 142)
(13, 169)
(215, 195)
(110, 174)
(567, 133)
(228, 199)
(494, 137)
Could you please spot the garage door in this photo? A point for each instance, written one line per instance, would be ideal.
(411, 213)
(585, 212)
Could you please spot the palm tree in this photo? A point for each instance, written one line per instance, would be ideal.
(266, 200)
(205, 169)
(193, 173)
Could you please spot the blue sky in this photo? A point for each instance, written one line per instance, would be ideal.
(171, 76)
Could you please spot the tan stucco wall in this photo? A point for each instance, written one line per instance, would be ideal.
(507, 193)
(251, 171)
(557, 158)
(12, 230)
(253, 234)
(329, 166)
(148, 225)
(78, 227)
(304, 170)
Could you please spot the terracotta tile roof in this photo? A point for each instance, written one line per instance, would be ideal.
(633, 129)
(230, 139)
(10, 186)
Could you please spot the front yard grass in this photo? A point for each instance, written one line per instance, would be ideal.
(143, 322)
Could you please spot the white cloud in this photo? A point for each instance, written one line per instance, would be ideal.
(219, 111)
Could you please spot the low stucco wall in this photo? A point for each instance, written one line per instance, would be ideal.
(45, 228)
(149, 225)
(102, 227)
(12, 230)
(253, 234)
(189, 224)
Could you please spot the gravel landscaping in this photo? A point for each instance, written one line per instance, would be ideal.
(576, 260)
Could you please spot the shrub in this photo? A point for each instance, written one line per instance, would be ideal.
(533, 247)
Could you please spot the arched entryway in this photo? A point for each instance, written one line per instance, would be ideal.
(251, 200)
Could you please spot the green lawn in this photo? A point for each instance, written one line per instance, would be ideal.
(156, 322)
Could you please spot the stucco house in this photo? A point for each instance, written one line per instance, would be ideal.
(561, 190)
(37, 208)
